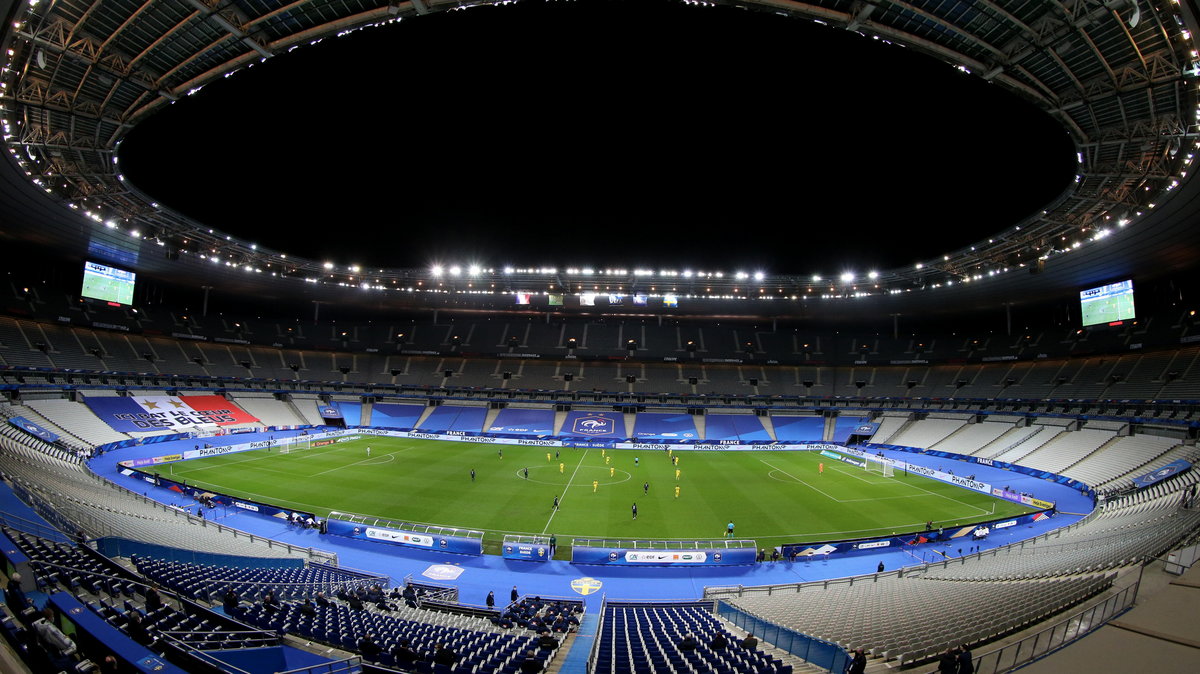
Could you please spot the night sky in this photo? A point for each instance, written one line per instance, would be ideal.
(589, 134)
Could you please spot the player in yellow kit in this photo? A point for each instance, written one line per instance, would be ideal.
(676, 473)
(676, 491)
(611, 471)
(561, 468)
(595, 485)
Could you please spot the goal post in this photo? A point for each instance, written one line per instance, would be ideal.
(874, 465)
(294, 444)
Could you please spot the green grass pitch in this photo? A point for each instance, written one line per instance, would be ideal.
(772, 497)
(1116, 308)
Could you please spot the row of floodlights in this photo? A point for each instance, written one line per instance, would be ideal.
(475, 270)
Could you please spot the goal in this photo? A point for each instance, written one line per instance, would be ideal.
(294, 444)
(882, 467)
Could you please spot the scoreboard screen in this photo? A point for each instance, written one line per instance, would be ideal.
(1107, 304)
(109, 284)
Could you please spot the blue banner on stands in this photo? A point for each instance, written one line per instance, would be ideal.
(217, 498)
(1040, 474)
(33, 429)
(529, 552)
(152, 439)
(631, 557)
(411, 539)
(1170, 470)
(893, 543)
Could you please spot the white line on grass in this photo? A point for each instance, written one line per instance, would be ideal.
(263, 498)
(934, 493)
(880, 498)
(564, 494)
(801, 481)
(844, 472)
(351, 464)
(231, 461)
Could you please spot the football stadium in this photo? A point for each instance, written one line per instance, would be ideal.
(248, 433)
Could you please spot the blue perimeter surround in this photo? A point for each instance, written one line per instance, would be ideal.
(479, 575)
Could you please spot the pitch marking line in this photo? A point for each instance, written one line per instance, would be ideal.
(356, 463)
(933, 493)
(837, 500)
(565, 490)
(841, 470)
(310, 506)
(234, 459)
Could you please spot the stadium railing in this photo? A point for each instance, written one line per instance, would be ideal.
(1063, 632)
(816, 652)
(699, 544)
(347, 666)
(413, 527)
(31, 527)
(97, 527)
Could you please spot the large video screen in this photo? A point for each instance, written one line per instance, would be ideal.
(101, 282)
(1107, 304)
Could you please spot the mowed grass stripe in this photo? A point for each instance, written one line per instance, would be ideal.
(429, 481)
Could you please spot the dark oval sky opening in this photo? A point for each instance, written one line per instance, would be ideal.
(604, 133)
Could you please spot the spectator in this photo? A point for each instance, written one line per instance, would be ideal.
(230, 601)
(879, 569)
(531, 664)
(491, 600)
(858, 663)
(688, 643)
(321, 600)
(404, 654)
(512, 596)
(269, 601)
(51, 637)
(153, 600)
(444, 656)
(307, 608)
(948, 664)
(749, 643)
(14, 596)
(966, 661)
(136, 628)
(719, 642)
(547, 642)
(368, 647)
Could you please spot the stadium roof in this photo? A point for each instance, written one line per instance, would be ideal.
(1119, 76)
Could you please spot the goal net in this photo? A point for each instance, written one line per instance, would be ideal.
(294, 444)
(882, 467)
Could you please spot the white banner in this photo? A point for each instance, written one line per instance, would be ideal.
(666, 557)
(392, 536)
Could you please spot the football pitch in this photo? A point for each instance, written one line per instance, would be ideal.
(1108, 309)
(773, 497)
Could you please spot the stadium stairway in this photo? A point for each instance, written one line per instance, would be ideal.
(579, 647)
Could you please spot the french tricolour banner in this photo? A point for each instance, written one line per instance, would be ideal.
(178, 413)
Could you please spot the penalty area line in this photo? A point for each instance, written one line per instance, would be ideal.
(832, 498)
